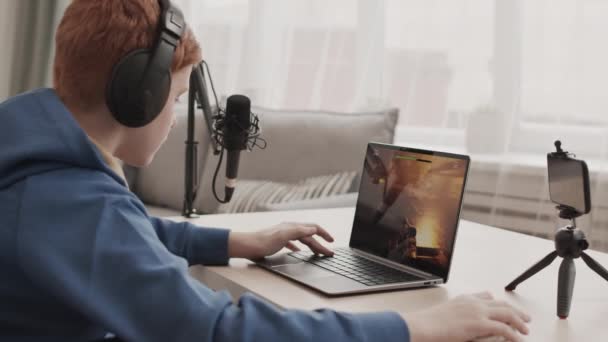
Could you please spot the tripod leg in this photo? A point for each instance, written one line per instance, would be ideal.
(532, 270)
(565, 286)
(594, 265)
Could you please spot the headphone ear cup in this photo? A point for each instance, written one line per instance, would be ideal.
(134, 104)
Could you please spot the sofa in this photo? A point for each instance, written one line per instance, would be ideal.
(313, 159)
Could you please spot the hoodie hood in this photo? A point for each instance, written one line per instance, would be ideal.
(39, 134)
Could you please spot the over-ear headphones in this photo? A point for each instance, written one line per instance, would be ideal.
(140, 83)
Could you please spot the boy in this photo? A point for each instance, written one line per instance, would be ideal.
(83, 261)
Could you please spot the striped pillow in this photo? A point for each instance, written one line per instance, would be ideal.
(249, 195)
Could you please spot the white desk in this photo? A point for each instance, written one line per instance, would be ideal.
(485, 258)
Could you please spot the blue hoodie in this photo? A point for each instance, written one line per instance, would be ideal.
(80, 258)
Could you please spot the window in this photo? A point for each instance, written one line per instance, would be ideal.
(565, 62)
(512, 74)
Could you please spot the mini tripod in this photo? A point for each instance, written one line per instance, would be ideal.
(569, 241)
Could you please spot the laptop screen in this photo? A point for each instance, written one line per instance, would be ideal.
(409, 205)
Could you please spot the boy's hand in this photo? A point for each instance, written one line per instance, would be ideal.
(268, 241)
(466, 318)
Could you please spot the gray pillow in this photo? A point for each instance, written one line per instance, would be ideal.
(304, 144)
(338, 201)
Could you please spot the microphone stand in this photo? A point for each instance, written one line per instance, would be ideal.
(197, 99)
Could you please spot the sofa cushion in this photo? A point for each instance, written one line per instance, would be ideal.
(337, 201)
(302, 144)
(256, 195)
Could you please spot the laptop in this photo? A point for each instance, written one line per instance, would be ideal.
(404, 228)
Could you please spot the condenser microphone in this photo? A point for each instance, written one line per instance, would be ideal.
(237, 122)
(230, 130)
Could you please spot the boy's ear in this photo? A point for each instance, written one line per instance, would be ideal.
(140, 82)
(133, 98)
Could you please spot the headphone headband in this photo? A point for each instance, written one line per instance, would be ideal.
(171, 20)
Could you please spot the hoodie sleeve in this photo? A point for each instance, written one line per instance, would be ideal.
(198, 245)
(92, 249)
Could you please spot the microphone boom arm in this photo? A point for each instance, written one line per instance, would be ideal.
(197, 99)
(199, 86)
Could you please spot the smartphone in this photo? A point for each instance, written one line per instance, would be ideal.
(569, 182)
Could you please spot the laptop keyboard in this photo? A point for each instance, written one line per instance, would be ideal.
(346, 263)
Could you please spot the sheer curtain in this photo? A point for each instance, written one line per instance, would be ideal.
(500, 80)
(531, 63)
(431, 59)
(28, 42)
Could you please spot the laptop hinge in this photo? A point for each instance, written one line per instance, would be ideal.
(393, 264)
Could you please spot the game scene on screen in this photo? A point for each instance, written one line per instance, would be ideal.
(408, 206)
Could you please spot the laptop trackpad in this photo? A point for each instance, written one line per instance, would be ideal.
(303, 271)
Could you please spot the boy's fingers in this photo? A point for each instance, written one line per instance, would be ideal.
(316, 247)
(509, 317)
(495, 328)
(298, 232)
(291, 246)
(500, 303)
(320, 231)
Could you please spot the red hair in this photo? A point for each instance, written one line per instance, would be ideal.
(95, 34)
